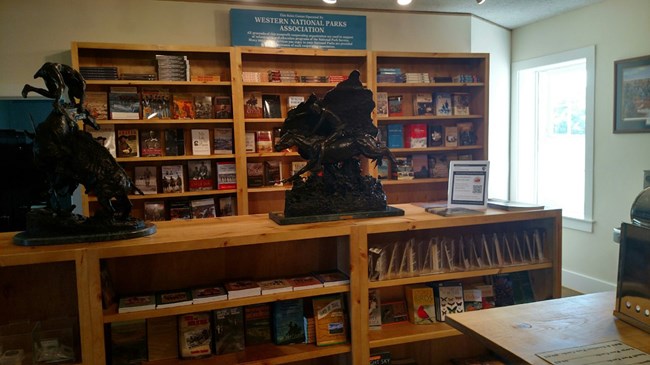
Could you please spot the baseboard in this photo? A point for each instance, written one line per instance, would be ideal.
(585, 284)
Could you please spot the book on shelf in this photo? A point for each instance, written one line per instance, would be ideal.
(449, 299)
(257, 324)
(435, 135)
(287, 321)
(451, 136)
(172, 178)
(271, 106)
(209, 294)
(200, 175)
(380, 358)
(183, 106)
(297, 166)
(203, 107)
(96, 102)
(404, 168)
(442, 102)
(150, 143)
(222, 107)
(227, 206)
(466, 134)
(423, 104)
(156, 104)
(173, 298)
(420, 304)
(395, 135)
(383, 169)
(330, 320)
(146, 179)
(512, 205)
(274, 286)
(253, 105)
(472, 299)
(439, 165)
(503, 291)
(250, 142)
(128, 342)
(174, 142)
(374, 309)
(332, 278)
(162, 338)
(194, 335)
(309, 323)
(242, 289)
(229, 333)
(277, 135)
(420, 163)
(128, 144)
(124, 102)
(255, 174)
(154, 211)
(460, 103)
(106, 137)
(382, 104)
(226, 175)
(273, 173)
(136, 303)
(393, 312)
(305, 282)
(223, 141)
(382, 136)
(180, 209)
(203, 208)
(264, 141)
(200, 142)
(415, 135)
(522, 287)
(395, 106)
(294, 101)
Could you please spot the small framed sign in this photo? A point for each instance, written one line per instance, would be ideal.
(632, 95)
(468, 183)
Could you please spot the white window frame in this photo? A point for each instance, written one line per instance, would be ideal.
(589, 54)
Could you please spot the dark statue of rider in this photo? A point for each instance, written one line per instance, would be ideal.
(332, 134)
(69, 156)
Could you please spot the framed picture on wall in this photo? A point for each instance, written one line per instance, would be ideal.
(632, 95)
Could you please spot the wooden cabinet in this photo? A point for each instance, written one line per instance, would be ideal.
(244, 72)
(461, 81)
(65, 280)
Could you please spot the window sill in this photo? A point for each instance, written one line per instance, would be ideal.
(583, 225)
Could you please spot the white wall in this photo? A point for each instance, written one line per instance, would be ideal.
(35, 31)
(619, 29)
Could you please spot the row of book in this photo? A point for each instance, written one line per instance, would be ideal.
(126, 102)
(231, 290)
(419, 257)
(262, 105)
(431, 302)
(423, 135)
(199, 208)
(386, 358)
(199, 175)
(277, 75)
(438, 103)
(395, 75)
(420, 166)
(231, 330)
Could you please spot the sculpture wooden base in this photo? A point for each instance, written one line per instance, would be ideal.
(279, 218)
(25, 239)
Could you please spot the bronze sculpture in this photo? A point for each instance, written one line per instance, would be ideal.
(70, 156)
(331, 134)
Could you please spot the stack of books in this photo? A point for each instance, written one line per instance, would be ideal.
(173, 67)
(282, 76)
(252, 76)
(418, 78)
(99, 73)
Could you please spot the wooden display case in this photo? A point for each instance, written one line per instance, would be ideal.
(184, 254)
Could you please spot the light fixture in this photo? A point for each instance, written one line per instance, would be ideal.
(329, 1)
(480, 2)
(404, 2)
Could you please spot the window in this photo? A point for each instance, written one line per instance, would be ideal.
(551, 154)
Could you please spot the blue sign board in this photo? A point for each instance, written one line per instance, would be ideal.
(285, 29)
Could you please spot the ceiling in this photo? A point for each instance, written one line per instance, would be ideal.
(509, 14)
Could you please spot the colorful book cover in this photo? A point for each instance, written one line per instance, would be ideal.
(255, 174)
(179, 209)
(395, 106)
(451, 136)
(448, 298)
(150, 143)
(423, 104)
(124, 103)
(209, 294)
(253, 105)
(421, 304)
(127, 143)
(395, 135)
(96, 102)
(442, 103)
(183, 106)
(203, 208)
(173, 298)
(222, 107)
(229, 335)
(257, 324)
(382, 104)
(172, 179)
(226, 175)
(200, 175)
(223, 141)
(330, 320)
(287, 324)
(146, 179)
(415, 135)
(200, 142)
(274, 286)
(264, 141)
(156, 104)
(460, 103)
(394, 312)
(194, 335)
(106, 137)
(203, 107)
